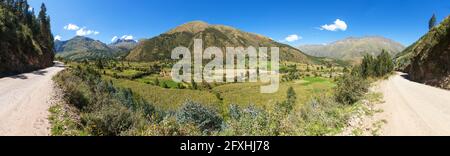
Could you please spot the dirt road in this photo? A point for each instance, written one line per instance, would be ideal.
(24, 103)
(414, 109)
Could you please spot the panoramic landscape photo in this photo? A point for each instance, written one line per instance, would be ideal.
(224, 68)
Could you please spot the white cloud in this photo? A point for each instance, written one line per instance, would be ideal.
(114, 39)
(86, 32)
(30, 9)
(57, 37)
(292, 38)
(338, 25)
(124, 37)
(127, 37)
(71, 27)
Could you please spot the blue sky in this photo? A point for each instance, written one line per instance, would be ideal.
(303, 20)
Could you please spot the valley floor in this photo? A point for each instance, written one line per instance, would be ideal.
(413, 109)
(24, 103)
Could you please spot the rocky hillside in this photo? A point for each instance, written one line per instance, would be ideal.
(81, 48)
(354, 48)
(26, 41)
(428, 60)
(160, 47)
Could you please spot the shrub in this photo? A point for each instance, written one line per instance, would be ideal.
(168, 127)
(322, 116)
(104, 108)
(350, 89)
(194, 113)
(246, 122)
(109, 121)
(235, 112)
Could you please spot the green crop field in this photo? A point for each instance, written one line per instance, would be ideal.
(249, 93)
(168, 99)
(162, 91)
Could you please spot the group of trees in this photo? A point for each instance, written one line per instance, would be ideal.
(352, 86)
(26, 40)
(23, 13)
(377, 66)
(292, 73)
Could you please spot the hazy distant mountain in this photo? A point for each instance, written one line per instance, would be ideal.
(58, 45)
(160, 47)
(123, 46)
(80, 48)
(428, 60)
(353, 48)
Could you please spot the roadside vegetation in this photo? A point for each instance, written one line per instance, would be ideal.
(313, 100)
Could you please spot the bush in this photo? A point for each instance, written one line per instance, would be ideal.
(235, 112)
(246, 122)
(194, 113)
(109, 121)
(168, 127)
(350, 89)
(322, 116)
(104, 108)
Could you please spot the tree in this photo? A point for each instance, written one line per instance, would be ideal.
(368, 66)
(432, 22)
(291, 95)
(46, 36)
(157, 81)
(194, 85)
(384, 64)
(290, 102)
(164, 85)
(99, 64)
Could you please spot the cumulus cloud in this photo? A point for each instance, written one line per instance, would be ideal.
(127, 37)
(86, 32)
(71, 27)
(80, 31)
(292, 38)
(124, 37)
(114, 39)
(57, 37)
(338, 25)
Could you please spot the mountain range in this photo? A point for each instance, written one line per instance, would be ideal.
(80, 48)
(353, 48)
(428, 60)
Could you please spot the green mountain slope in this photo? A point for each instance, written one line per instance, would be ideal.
(25, 40)
(428, 60)
(354, 48)
(160, 47)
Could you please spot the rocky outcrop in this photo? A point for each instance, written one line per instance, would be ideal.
(428, 60)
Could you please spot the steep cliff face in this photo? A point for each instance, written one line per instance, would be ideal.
(428, 60)
(26, 42)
